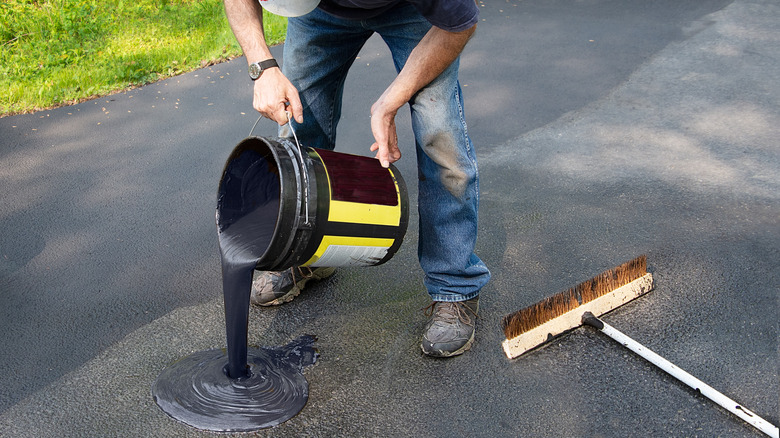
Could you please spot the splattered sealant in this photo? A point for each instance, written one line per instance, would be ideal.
(240, 389)
(196, 391)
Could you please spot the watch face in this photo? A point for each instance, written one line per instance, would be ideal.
(254, 71)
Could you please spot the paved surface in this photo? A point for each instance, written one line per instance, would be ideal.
(605, 129)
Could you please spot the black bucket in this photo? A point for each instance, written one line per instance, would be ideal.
(299, 206)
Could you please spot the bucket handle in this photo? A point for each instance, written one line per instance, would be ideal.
(306, 222)
(303, 172)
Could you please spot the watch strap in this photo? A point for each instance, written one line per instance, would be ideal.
(268, 63)
(256, 69)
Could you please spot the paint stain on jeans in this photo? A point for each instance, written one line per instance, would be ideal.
(442, 150)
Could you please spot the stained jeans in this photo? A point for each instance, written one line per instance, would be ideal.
(318, 53)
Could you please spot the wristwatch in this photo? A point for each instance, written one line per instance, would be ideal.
(256, 68)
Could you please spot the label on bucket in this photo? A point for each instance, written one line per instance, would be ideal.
(349, 251)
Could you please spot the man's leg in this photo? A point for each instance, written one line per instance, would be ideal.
(317, 55)
(449, 199)
(448, 194)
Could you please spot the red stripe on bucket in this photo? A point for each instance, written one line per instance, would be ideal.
(354, 178)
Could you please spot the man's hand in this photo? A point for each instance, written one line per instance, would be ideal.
(385, 134)
(273, 94)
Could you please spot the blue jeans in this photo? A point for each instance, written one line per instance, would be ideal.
(318, 53)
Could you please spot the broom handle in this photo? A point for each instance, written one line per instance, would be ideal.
(704, 389)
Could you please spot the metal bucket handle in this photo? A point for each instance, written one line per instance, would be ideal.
(299, 156)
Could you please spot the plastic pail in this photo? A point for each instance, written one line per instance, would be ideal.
(287, 206)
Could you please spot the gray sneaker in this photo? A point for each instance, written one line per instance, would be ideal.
(274, 288)
(450, 330)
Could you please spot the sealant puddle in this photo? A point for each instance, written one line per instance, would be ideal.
(240, 388)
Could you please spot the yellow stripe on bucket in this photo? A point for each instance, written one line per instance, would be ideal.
(349, 251)
(359, 213)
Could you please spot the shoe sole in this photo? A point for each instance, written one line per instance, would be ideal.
(296, 290)
(459, 351)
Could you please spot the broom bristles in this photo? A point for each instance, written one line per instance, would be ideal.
(556, 305)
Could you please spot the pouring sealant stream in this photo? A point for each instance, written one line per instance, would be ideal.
(246, 216)
(239, 258)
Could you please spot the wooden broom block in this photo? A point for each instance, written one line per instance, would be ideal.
(570, 320)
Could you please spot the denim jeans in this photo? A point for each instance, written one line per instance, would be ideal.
(318, 53)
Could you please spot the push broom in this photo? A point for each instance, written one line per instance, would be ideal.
(531, 327)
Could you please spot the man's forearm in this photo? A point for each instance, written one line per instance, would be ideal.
(435, 52)
(246, 21)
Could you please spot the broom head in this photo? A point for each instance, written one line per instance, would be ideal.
(536, 324)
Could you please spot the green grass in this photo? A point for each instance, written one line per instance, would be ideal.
(58, 52)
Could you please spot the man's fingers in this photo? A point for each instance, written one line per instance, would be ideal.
(282, 114)
(278, 113)
(296, 107)
(385, 155)
(381, 155)
(383, 159)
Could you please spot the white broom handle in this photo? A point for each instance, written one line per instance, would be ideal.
(706, 390)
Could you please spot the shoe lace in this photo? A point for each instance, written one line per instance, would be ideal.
(450, 311)
(301, 275)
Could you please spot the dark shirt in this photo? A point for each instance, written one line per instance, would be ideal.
(451, 15)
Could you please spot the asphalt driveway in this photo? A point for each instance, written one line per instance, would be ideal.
(605, 129)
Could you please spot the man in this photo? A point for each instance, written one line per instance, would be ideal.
(425, 39)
